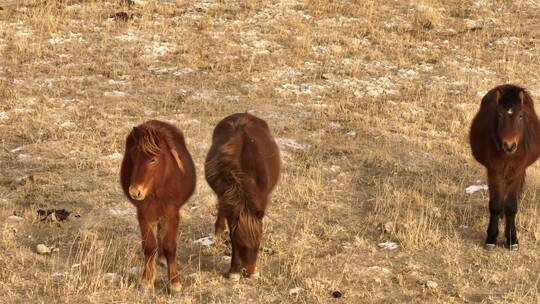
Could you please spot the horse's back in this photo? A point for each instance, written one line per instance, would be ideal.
(256, 153)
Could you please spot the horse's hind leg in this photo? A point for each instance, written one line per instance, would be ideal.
(169, 250)
(150, 249)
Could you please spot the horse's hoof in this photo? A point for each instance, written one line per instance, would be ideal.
(175, 288)
(513, 247)
(254, 275)
(146, 288)
(489, 246)
(235, 277)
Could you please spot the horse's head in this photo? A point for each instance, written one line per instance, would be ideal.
(510, 121)
(147, 158)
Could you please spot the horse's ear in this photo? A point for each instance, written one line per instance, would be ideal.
(521, 96)
(136, 132)
(497, 96)
(526, 136)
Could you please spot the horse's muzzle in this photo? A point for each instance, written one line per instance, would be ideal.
(509, 148)
(137, 193)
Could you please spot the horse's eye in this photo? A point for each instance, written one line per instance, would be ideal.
(153, 160)
(520, 116)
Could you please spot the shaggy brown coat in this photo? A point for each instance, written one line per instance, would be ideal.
(242, 167)
(158, 177)
(505, 138)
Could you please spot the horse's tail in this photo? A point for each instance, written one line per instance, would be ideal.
(238, 197)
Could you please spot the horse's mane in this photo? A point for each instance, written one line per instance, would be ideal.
(148, 135)
(238, 193)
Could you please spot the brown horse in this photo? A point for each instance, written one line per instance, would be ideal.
(505, 138)
(242, 167)
(158, 177)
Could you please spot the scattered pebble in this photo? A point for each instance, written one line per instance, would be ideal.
(337, 294)
(55, 215)
(115, 94)
(294, 291)
(21, 181)
(42, 249)
(389, 245)
(134, 271)
(13, 219)
(121, 16)
(475, 188)
(289, 143)
(351, 134)
(115, 155)
(15, 150)
(432, 285)
(112, 277)
(205, 241)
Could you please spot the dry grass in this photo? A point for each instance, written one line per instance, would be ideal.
(370, 100)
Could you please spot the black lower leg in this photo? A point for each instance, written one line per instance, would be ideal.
(495, 210)
(510, 211)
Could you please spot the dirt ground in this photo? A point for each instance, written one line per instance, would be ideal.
(370, 102)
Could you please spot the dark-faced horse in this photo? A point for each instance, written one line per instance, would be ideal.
(242, 167)
(158, 177)
(505, 138)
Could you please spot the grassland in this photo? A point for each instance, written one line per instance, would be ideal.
(370, 102)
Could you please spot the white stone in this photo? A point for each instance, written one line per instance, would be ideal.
(42, 249)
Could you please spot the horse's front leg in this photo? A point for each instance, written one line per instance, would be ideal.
(150, 249)
(220, 224)
(169, 250)
(495, 211)
(510, 210)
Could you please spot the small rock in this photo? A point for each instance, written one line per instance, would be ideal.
(111, 277)
(205, 241)
(42, 249)
(337, 294)
(13, 219)
(351, 134)
(475, 188)
(389, 245)
(21, 181)
(134, 271)
(432, 285)
(121, 16)
(437, 212)
(295, 291)
(55, 215)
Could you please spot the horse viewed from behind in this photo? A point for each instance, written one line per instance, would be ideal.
(242, 167)
(158, 177)
(505, 138)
